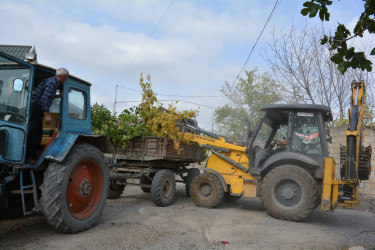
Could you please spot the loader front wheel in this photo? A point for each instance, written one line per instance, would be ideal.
(163, 188)
(289, 193)
(206, 190)
(74, 191)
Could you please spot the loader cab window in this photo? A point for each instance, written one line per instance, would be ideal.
(263, 135)
(306, 136)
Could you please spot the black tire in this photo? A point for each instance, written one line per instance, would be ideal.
(191, 174)
(145, 180)
(289, 193)
(230, 198)
(163, 188)
(115, 190)
(74, 191)
(206, 190)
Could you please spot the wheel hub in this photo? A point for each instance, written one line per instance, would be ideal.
(206, 190)
(288, 192)
(85, 188)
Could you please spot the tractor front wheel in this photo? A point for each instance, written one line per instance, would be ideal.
(74, 191)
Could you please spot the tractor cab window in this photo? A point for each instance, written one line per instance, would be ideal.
(306, 136)
(77, 100)
(13, 94)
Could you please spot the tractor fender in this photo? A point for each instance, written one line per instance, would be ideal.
(62, 144)
(218, 175)
(281, 158)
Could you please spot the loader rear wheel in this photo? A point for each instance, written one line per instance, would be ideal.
(191, 174)
(74, 191)
(289, 193)
(163, 188)
(115, 189)
(206, 190)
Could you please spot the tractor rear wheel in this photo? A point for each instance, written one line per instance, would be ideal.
(191, 174)
(289, 193)
(163, 188)
(74, 191)
(206, 190)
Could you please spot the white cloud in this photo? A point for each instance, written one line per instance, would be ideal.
(197, 46)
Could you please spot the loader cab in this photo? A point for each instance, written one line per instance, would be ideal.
(290, 134)
(18, 79)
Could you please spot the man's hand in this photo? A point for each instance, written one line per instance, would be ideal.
(48, 119)
(59, 95)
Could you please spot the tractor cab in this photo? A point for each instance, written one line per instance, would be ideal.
(290, 133)
(71, 113)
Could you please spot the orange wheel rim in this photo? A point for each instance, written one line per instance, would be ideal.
(84, 189)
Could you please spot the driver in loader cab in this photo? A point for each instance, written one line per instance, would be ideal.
(42, 99)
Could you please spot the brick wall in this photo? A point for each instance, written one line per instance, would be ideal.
(367, 188)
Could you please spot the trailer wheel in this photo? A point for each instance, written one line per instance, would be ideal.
(145, 180)
(191, 174)
(289, 193)
(115, 189)
(74, 191)
(163, 188)
(206, 190)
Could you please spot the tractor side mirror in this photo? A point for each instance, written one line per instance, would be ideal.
(18, 85)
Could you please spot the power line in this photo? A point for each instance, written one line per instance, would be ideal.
(201, 105)
(200, 96)
(248, 57)
(139, 52)
(148, 38)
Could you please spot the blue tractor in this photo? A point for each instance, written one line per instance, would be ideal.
(69, 182)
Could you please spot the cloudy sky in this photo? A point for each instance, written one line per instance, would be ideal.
(189, 48)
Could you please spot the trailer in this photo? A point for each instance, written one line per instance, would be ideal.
(153, 163)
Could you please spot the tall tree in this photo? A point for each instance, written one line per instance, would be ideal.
(306, 74)
(345, 57)
(245, 100)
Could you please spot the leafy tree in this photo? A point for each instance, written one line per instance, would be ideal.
(148, 118)
(345, 57)
(245, 100)
(99, 115)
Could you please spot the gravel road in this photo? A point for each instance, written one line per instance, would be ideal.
(134, 222)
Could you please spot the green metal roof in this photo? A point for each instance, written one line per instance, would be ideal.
(18, 51)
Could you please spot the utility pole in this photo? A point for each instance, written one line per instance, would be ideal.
(114, 105)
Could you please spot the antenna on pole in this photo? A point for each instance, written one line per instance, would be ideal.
(114, 105)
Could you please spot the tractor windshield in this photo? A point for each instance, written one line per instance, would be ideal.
(13, 94)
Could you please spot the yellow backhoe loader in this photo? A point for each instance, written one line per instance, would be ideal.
(286, 161)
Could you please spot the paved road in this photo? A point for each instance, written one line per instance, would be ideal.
(134, 222)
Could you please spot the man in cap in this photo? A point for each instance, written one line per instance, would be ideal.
(42, 99)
